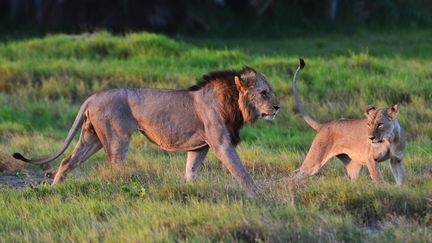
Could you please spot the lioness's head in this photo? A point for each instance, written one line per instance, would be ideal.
(380, 122)
(256, 96)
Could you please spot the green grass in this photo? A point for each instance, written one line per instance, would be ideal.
(43, 81)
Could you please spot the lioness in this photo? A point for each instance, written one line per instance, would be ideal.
(356, 142)
(209, 114)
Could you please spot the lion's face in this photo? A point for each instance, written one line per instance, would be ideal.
(257, 94)
(380, 123)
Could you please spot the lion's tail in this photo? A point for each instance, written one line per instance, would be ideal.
(73, 130)
(314, 124)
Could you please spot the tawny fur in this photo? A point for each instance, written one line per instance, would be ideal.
(209, 114)
(356, 142)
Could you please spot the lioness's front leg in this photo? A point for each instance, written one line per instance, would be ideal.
(374, 170)
(398, 170)
(353, 168)
(194, 162)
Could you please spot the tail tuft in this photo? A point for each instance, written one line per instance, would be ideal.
(302, 63)
(314, 124)
(19, 156)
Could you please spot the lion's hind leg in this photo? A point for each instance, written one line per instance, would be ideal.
(87, 145)
(115, 136)
(194, 162)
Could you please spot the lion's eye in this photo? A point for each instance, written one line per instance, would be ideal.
(264, 94)
(380, 125)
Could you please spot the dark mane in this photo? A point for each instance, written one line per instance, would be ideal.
(225, 76)
(226, 96)
(221, 76)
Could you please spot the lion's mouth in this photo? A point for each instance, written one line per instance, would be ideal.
(269, 117)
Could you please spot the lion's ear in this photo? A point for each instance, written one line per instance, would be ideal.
(370, 110)
(393, 112)
(243, 84)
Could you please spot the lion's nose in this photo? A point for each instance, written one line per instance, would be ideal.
(372, 137)
(276, 107)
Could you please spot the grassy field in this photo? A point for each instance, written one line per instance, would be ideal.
(43, 81)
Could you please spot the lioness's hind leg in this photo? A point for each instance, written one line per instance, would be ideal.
(87, 145)
(194, 162)
(317, 157)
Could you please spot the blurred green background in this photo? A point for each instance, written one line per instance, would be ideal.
(213, 17)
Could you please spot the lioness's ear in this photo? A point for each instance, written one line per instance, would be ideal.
(370, 110)
(393, 112)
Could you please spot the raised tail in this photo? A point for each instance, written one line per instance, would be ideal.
(72, 131)
(314, 124)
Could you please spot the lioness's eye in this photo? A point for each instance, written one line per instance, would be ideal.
(264, 94)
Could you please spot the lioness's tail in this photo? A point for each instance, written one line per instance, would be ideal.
(314, 124)
(73, 130)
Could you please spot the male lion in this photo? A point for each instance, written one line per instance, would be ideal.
(209, 114)
(356, 142)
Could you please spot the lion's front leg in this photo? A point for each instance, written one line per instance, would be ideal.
(398, 170)
(194, 162)
(230, 159)
(219, 139)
